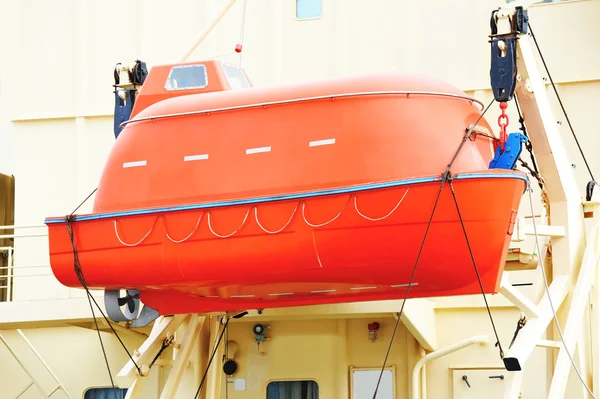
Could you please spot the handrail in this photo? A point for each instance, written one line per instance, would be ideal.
(8, 277)
(414, 376)
(25, 226)
(305, 99)
(23, 235)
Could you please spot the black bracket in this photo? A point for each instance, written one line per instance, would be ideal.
(503, 71)
(124, 107)
(589, 189)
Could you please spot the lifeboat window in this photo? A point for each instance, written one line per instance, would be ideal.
(186, 77)
(293, 390)
(235, 76)
(308, 9)
(102, 393)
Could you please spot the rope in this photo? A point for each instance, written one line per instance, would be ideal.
(464, 140)
(462, 224)
(137, 243)
(383, 217)
(412, 276)
(535, 172)
(242, 32)
(445, 178)
(211, 359)
(84, 201)
(79, 273)
(537, 244)
(260, 225)
(326, 223)
(166, 343)
(529, 144)
(560, 102)
(520, 324)
(235, 231)
(226, 356)
(276, 231)
(81, 278)
(189, 235)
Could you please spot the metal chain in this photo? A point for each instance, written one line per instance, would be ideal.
(503, 123)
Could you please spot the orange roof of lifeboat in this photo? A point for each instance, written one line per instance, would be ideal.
(218, 199)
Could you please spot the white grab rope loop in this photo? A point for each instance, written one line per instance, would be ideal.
(351, 196)
(383, 217)
(137, 243)
(281, 229)
(235, 231)
(189, 235)
(326, 223)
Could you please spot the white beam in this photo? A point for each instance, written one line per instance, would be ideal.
(336, 310)
(192, 331)
(575, 315)
(162, 326)
(47, 313)
(532, 331)
(546, 343)
(543, 230)
(515, 296)
(213, 382)
(595, 332)
(512, 388)
(207, 30)
(419, 318)
(136, 389)
(553, 161)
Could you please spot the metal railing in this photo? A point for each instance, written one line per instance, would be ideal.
(7, 272)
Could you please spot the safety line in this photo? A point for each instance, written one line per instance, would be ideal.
(541, 267)
(487, 306)
(560, 102)
(211, 359)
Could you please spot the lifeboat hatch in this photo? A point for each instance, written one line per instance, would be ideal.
(174, 80)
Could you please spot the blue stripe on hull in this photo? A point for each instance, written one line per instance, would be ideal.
(318, 193)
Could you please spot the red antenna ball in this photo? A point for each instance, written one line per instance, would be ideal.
(238, 48)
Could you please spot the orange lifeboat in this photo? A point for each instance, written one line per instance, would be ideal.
(219, 196)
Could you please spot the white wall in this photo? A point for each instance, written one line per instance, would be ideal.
(59, 93)
(56, 72)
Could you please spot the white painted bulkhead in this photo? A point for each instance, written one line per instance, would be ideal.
(56, 107)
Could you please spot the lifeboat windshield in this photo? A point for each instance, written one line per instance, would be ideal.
(186, 77)
(235, 76)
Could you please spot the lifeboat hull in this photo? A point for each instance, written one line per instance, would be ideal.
(311, 193)
(357, 243)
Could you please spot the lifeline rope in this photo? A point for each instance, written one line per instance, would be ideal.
(445, 177)
(256, 218)
(408, 288)
(82, 281)
(211, 359)
(242, 33)
(79, 273)
(560, 102)
(555, 317)
(462, 224)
